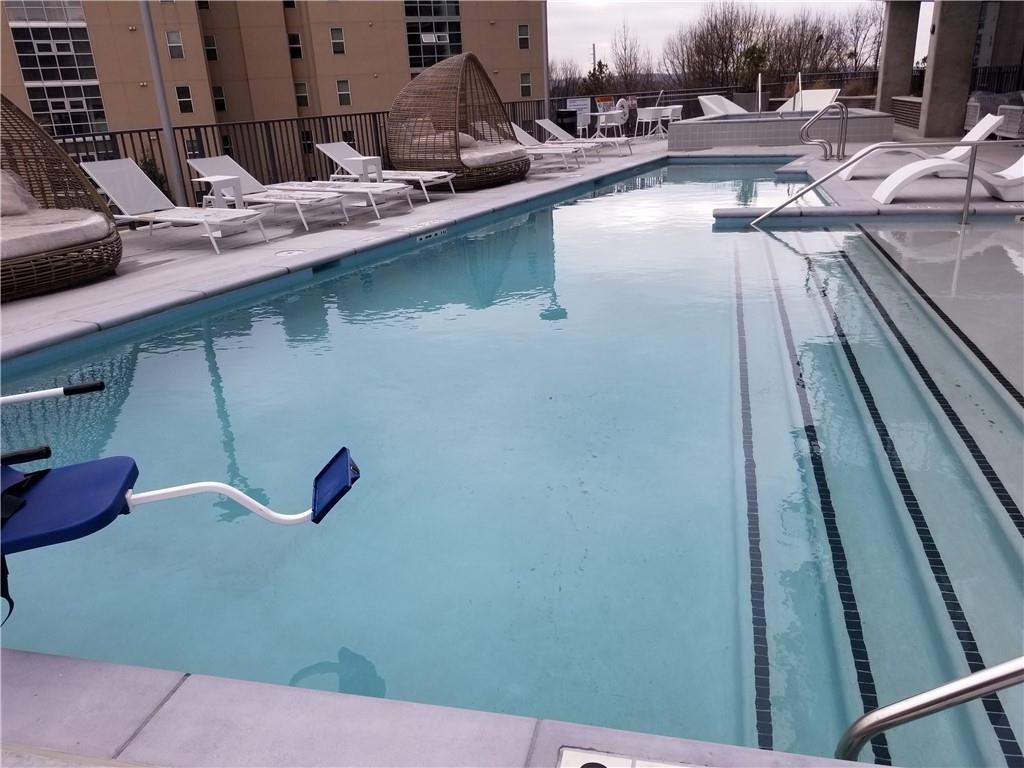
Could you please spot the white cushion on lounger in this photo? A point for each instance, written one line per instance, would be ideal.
(482, 156)
(50, 229)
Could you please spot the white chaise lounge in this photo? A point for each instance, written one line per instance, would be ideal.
(375, 194)
(539, 149)
(561, 136)
(139, 199)
(807, 100)
(979, 132)
(714, 105)
(351, 166)
(1007, 185)
(255, 194)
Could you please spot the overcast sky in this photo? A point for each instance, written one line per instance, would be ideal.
(574, 24)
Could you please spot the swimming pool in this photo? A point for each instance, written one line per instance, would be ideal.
(617, 469)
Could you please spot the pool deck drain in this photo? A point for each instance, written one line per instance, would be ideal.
(61, 711)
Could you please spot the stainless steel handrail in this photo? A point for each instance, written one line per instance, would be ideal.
(927, 703)
(844, 116)
(896, 144)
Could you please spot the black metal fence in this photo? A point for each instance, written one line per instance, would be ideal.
(993, 79)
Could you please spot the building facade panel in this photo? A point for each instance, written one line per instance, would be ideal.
(83, 67)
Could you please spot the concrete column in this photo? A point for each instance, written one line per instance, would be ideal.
(896, 62)
(947, 79)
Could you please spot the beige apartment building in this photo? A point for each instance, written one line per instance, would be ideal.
(82, 66)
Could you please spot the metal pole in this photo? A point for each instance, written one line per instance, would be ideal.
(173, 169)
(547, 74)
(937, 699)
(970, 185)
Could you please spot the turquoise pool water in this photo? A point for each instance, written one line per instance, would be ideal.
(617, 469)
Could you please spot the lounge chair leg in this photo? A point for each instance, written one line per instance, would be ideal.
(451, 186)
(209, 234)
(298, 210)
(259, 223)
(408, 199)
(344, 210)
(374, 204)
(423, 186)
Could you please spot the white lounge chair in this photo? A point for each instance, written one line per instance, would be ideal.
(979, 132)
(714, 105)
(809, 100)
(576, 149)
(561, 136)
(350, 166)
(255, 194)
(1007, 185)
(376, 194)
(139, 199)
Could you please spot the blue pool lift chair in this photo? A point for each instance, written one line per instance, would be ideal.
(51, 506)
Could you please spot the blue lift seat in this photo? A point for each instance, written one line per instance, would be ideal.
(68, 502)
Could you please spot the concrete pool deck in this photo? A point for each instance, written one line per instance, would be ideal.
(63, 711)
(59, 711)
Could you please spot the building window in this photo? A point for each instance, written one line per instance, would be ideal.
(294, 45)
(60, 11)
(348, 136)
(193, 147)
(344, 94)
(174, 46)
(210, 46)
(524, 36)
(525, 86)
(202, 5)
(184, 96)
(226, 145)
(301, 95)
(220, 104)
(433, 32)
(306, 141)
(288, 3)
(337, 39)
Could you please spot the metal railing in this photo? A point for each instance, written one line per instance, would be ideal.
(927, 703)
(857, 157)
(839, 151)
(272, 150)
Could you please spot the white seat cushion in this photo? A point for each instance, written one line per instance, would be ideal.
(50, 229)
(483, 156)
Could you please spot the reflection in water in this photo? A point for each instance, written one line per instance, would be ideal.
(230, 511)
(76, 428)
(512, 261)
(355, 674)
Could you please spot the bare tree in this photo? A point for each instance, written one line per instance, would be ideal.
(675, 56)
(864, 36)
(631, 61)
(566, 77)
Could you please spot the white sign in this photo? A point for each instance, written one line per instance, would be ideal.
(582, 107)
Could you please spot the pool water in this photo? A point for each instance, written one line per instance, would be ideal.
(617, 469)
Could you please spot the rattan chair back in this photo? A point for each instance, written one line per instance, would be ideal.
(447, 109)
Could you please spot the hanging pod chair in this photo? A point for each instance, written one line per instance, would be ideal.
(450, 118)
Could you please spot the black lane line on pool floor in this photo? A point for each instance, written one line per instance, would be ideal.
(991, 367)
(762, 680)
(982, 462)
(847, 597)
(993, 706)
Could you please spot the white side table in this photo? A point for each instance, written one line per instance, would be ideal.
(365, 168)
(220, 189)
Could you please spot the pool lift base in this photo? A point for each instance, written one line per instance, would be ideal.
(61, 504)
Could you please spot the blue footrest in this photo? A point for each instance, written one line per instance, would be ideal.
(334, 481)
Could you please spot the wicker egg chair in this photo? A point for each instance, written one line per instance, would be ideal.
(450, 118)
(56, 182)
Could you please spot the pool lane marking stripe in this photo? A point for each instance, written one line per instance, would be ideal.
(1000, 490)
(762, 681)
(991, 367)
(993, 706)
(844, 583)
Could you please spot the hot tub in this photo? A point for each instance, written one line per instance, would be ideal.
(773, 129)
